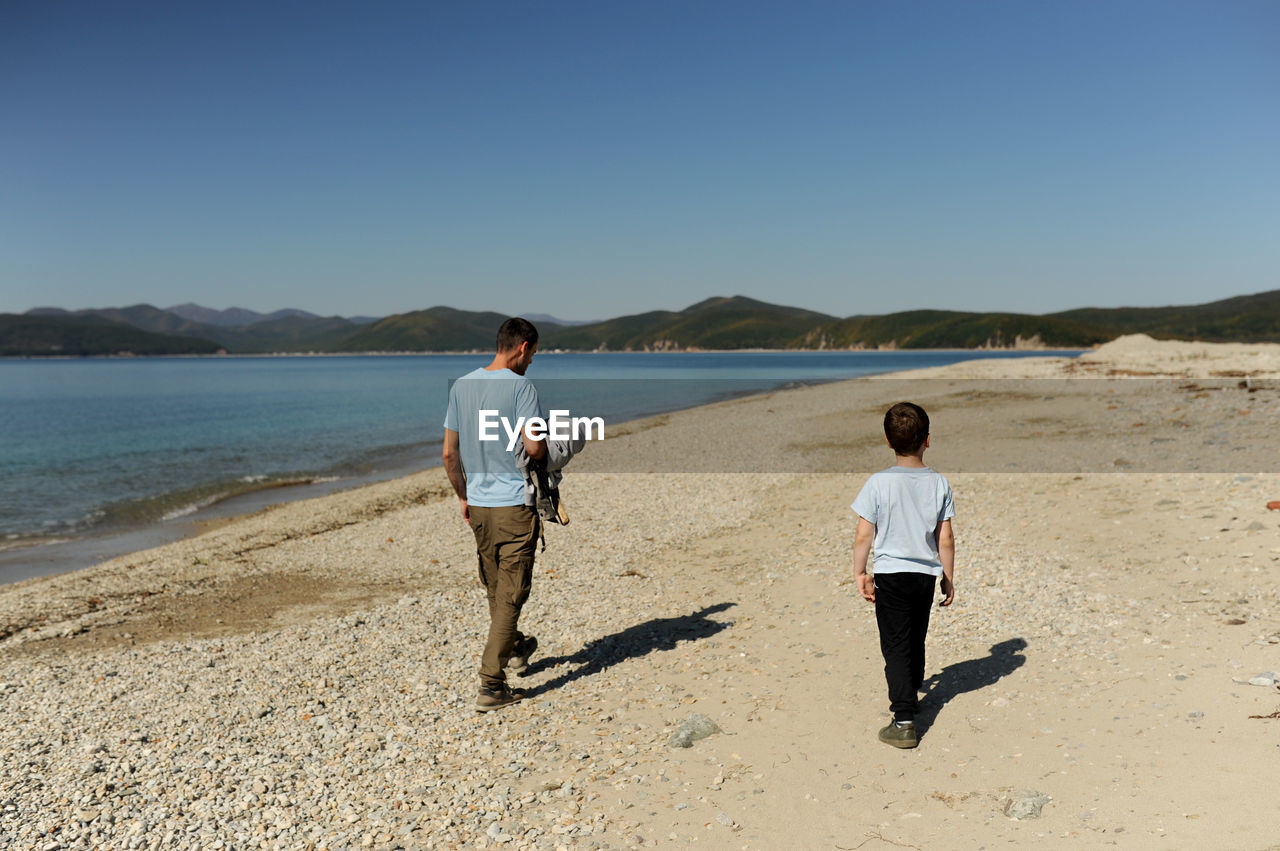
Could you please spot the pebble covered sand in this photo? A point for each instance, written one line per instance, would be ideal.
(305, 677)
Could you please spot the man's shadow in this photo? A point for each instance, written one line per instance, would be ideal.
(971, 675)
(632, 642)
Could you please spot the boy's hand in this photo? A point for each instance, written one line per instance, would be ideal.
(948, 591)
(867, 587)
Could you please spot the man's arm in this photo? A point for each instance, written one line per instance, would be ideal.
(453, 468)
(947, 555)
(861, 550)
(527, 406)
(535, 447)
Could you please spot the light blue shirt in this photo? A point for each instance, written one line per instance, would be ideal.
(492, 477)
(906, 504)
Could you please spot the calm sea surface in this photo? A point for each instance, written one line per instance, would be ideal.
(95, 445)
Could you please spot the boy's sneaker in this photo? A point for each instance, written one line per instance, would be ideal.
(496, 698)
(900, 734)
(524, 649)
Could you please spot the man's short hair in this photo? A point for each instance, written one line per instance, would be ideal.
(514, 332)
(906, 425)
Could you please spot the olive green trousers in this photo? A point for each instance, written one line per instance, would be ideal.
(506, 541)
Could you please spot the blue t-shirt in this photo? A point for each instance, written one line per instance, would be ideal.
(493, 479)
(906, 504)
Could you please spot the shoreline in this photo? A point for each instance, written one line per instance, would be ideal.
(474, 352)
(32, 555)
(316, 661)
(28, 558)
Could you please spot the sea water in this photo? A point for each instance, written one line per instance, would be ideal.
(94, 445)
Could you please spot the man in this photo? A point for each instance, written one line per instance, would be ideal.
(491, 489)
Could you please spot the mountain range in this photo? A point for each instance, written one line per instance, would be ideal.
(716, 323)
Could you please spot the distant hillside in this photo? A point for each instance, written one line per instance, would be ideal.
(27, 335)
(289, 334)
(716, 323)
(540, 319)
(233, 317)
(945, 329)
(1243, 319)
(437, 329)
(145, 317)
(294, 331)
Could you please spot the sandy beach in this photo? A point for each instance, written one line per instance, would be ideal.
(304, 677)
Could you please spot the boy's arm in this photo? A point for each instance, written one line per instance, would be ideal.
(947, 555)
(861, 550)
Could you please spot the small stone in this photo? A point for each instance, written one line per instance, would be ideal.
(696, 727)
(498, 833)
(1196, 714)
(1026, 805)
(725, 820)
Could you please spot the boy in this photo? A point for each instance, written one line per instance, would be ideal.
(907, 510)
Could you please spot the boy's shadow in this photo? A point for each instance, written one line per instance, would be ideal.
(634, 641)
(971, 675)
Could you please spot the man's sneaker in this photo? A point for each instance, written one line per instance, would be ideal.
(524, 649)
(496, 698)
(900, 734)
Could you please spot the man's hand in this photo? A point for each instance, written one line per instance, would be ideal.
(466, 512)
(534, 447)
(867, 587)
(948, 591)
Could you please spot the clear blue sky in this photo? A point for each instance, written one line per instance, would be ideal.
(590, 159)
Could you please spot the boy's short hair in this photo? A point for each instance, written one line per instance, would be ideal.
(514, 332)
(906, 425)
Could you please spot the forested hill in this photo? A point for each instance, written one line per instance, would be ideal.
(716, 323)
(33, 336)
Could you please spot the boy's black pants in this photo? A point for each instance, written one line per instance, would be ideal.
(903, 604)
